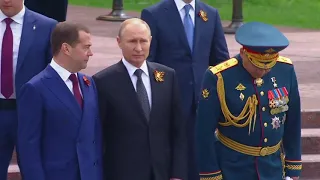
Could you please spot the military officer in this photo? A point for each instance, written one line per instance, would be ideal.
(253, 103)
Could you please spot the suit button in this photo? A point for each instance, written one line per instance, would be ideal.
(93, 142)
(94, 164)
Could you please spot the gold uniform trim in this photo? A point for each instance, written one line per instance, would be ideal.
(212, 178)
(248, 150)
(249, 111)
(284, 60)
(224, 65)
(294, 167)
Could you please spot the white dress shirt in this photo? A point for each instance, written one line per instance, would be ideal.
(16, 27)
(145, 76)
(64, 74)
(180, 6)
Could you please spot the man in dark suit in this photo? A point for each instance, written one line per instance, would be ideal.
(25, 51)
(59, 135)
(188, 37)
(55, 9)
(144, 134)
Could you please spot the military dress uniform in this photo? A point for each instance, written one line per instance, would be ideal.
(247, 128)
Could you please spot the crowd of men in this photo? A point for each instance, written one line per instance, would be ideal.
(175, 107)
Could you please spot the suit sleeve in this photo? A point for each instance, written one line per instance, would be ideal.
(208, 114)
(219, 49)
(149, 19)
(30, 114)
(292, 131)
(179, 136)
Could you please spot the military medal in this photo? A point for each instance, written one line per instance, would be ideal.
(275, 122)
(278, 100)
(258, 82)
(273, 79)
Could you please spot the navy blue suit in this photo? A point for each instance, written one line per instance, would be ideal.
(169, 46)
(55, 9)
(56, 138)
(34, 55)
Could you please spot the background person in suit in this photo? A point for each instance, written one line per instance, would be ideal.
(188, 37)
(25, 51)
(144, 134)
(55, 9)
(59, 134)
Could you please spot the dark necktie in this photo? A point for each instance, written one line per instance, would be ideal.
(7, 61)
(76, 89)
(142, 94)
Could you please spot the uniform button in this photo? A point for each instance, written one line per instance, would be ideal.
(265, 124)
(263, 109)
(261, 93)
(265, 140)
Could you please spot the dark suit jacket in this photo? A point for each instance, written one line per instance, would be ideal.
(169, 46)
(55, 9)
(135, 148)
(35, 49)
(57, 139)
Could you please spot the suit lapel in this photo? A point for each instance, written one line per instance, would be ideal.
(28, 32)
(176, 24)
(127, 90)
(84, 90)
(155, 90)
(199, 27)
(62, 92)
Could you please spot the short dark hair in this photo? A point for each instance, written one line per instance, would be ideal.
(66, 32)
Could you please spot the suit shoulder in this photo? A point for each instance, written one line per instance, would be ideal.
(36, 80)
(161, 67)
(285, 60)
(208, 7)
(42, 18)
(157, 7)
(223, 66)
(105, 72)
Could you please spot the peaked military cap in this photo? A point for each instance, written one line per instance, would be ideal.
(262, 43)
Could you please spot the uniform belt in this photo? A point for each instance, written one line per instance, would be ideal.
(7, 104)
(248, 150)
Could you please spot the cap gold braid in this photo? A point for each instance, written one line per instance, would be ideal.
(263, 61)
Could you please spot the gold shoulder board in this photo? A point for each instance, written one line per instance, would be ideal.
(284, 60)
(224, 65)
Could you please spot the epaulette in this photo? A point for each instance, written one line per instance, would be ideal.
(224, 65)
(284, 60)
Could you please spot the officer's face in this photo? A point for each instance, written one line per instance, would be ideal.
(135, 43)
(11, 7)
(252, 69)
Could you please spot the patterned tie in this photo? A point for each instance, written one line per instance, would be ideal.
(7, 61)
(76, 89)
(142, 94)
(188, 25)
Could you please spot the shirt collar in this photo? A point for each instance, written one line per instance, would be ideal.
(180, 4)
(63, 73)
(18, 18)
(131, 68)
